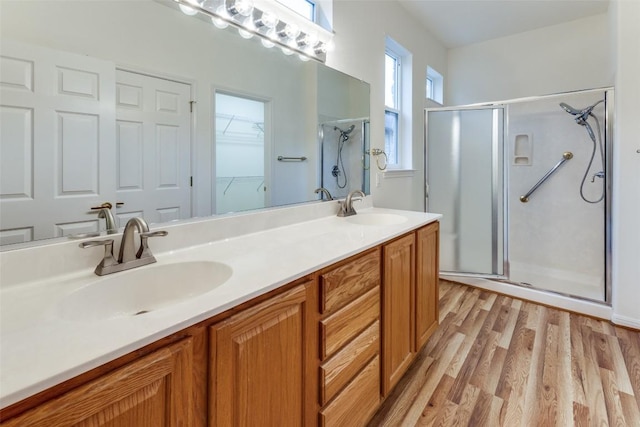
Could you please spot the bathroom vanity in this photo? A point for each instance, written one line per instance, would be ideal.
(315, 326)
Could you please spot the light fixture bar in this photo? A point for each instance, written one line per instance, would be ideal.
(288, 45)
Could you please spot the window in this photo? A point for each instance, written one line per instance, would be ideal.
(397, 100)
(306, 8)
(392, 104)
(434, 86)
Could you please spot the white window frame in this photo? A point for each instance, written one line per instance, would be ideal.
(403, 107)
(437, 86)
(397, 95)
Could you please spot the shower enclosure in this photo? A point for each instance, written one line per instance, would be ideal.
(344, 144)
(524, 189)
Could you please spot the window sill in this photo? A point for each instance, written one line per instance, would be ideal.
(399, 173)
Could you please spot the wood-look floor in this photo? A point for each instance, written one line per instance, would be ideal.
(500, 361)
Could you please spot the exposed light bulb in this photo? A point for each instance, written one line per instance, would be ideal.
(272, 35)
(219, 22)
(330, 46)
(320, 48)
(291, 31)
(242, 7)
(286, 51)
(267, 43)
(244, 33)
(303, 58)
(268, 20)
(307, 40)
(188, 10)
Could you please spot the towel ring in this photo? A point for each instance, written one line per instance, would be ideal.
(377, 153)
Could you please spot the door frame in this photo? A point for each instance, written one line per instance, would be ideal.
(268, 139)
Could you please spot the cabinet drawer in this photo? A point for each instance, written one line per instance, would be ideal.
(355, 405)
(341, 285)
(336, 372)
(342, 326)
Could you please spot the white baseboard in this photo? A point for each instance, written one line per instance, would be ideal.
(594, 309)
(625, 321)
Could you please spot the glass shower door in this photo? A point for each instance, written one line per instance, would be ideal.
(465, 183)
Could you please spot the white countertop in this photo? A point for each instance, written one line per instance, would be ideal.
(39, 348)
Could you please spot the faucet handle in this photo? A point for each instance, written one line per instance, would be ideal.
(144, 251)
(107, 260)
(107, 243)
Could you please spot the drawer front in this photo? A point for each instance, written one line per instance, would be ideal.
(342, 326)
(336, 372)
(343, 284)
(357, 403)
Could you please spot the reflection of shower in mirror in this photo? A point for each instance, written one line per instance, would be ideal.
(338, 170)
(342, 154)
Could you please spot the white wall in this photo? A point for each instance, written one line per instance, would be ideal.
(360, 29)
(559, 58)
(626, 186)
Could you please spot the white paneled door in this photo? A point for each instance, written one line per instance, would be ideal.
(153, 148)
(56, 142)
(76, 133)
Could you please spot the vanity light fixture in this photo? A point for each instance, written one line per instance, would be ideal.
(273, 23)
(188, 10)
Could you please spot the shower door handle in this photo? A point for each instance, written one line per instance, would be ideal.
(567, 155)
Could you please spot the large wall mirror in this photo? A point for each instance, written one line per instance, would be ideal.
(138, 104)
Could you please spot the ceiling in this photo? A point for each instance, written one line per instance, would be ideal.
(461, 22)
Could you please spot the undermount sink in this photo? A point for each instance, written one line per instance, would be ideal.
(376, 219)
(139, 291)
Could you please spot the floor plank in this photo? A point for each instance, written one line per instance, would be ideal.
(499, 361)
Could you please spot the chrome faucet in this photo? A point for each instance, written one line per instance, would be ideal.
(110, 221)
(128, 251)
(129, 257)
(325, 191)
(104, 211)
(346, 207)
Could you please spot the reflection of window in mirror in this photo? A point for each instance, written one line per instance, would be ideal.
(397, 144)
(240, 144)
(434, 86)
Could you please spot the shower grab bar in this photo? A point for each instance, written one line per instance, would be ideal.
(567, 155)
(291, 159)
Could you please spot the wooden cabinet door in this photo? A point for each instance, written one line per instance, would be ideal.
(154, 391)
(427, 275)
(258, 364)
(397, 310)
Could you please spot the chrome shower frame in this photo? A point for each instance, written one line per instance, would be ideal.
(609, 106)
(499, 179)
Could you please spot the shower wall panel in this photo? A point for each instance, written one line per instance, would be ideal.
(556, 239)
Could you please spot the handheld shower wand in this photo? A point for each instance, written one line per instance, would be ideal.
(581, 118)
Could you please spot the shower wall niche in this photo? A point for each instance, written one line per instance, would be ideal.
(537, 182)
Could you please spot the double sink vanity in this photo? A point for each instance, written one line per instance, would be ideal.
(294, 315)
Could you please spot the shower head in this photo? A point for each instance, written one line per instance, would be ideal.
(569, 109)
(345, 132)
(581, 115)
